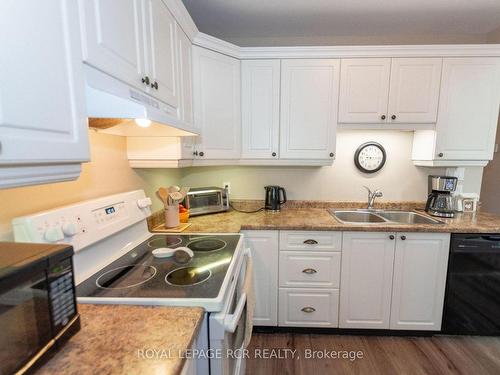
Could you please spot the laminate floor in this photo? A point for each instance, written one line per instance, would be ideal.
(271, 353)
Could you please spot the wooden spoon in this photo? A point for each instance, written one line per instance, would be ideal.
(163, 195)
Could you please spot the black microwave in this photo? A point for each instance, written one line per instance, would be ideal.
(37, 303)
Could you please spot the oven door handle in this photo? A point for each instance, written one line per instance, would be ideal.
(231, 320)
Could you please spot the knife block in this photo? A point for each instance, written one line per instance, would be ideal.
(172, 216)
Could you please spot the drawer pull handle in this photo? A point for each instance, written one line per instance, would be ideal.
(311, 242)
(308, 309)
(310, 271)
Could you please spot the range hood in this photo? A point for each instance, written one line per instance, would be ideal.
(113, 107)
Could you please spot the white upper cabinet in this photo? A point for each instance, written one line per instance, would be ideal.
(380, 91)
(366, 280)
(420, 266)
(216, 80)
(260, 93)
(309, 97)
(113, 38)
(162, 54)
(42, 103)
(135, 42)
(468, 114)
(414, 90)
(364, 87)
(185, 54)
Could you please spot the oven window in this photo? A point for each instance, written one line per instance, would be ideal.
(204, 200)
(24, 323)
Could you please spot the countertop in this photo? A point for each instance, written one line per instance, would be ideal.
(320, 219)
(119, 339)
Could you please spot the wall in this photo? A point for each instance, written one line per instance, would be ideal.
(490, 191)
(107, 173)
(399, 179)
(494, 36)
(340, 40)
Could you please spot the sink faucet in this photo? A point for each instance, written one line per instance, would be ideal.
(372, 196)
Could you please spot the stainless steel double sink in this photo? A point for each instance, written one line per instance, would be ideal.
(381, 217)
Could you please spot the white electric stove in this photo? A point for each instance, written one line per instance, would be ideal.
(114, 264)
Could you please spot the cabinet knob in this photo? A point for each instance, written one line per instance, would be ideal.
(308, 309)
(155, 85)
(393, 117)
(202, 153)
(332, 154)
(403, 238)
(391, 237)
(273, 154)
(311, 242)
(383, 117)
(195, 153)
(309, 271)
(145, 80)
(440, 154)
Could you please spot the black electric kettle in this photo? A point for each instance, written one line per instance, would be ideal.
(273, 200)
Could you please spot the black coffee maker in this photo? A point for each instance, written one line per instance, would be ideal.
(273, 199)
(440, 200)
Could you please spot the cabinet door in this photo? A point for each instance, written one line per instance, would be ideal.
(216, 80)
(264, 249)
(366, 280)
(162, 52)
(468, 108)
(414, 90)
(113, 40)
(420, 266)
(309, 95)
(42, 104)
(260, 97)
(364, 90)
(185, 77)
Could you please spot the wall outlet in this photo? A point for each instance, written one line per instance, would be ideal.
(227, 186)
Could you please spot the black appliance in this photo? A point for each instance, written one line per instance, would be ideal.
(275, 197)
(440, 200)
(140, 275)
(37, 303)
(472, 302)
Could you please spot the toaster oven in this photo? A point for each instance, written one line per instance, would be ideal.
(206, 200)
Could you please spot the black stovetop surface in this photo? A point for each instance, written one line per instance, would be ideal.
(138, 274)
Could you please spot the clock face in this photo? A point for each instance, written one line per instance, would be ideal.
(370, 157)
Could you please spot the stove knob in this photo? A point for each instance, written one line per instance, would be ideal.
(54, 234)
(69, 229)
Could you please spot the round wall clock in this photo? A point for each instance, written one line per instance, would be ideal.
(370, 157)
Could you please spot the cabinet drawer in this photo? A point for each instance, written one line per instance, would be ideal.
(308, 307)
(317, 240)
(309, 269)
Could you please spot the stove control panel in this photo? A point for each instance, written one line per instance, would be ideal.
(84, 223)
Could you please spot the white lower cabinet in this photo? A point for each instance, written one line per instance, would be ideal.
(309, 269)
(353, 280)
(420, 265)
(309, 278)
(393, 280)
(263, 246)
(308, 307)
(366, 281)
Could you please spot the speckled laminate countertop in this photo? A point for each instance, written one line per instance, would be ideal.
(320, 219)
(118, 339)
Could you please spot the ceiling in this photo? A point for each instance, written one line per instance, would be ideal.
(288, 22)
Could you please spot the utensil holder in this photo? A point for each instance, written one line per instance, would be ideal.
(172, 216)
